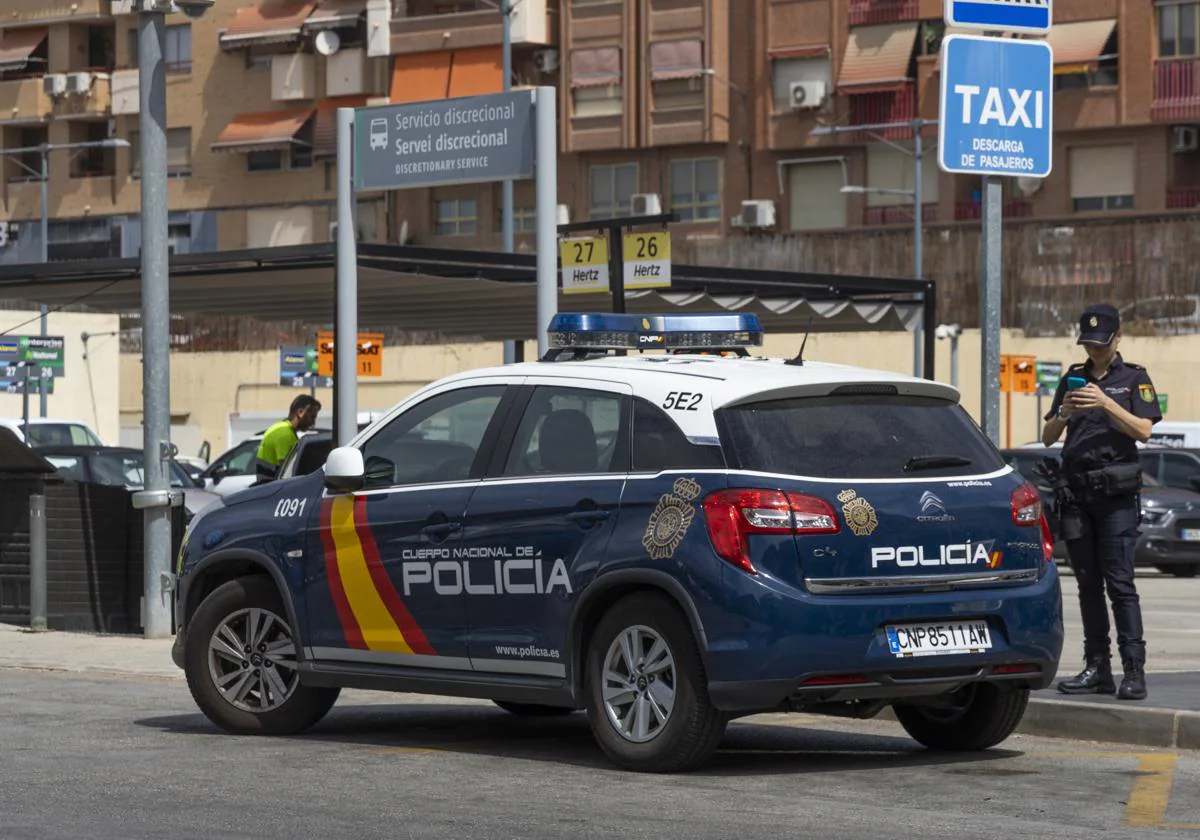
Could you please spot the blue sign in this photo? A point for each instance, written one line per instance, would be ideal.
(997, 107)
(1031, 16)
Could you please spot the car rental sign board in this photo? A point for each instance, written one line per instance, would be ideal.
(465, 140)
(996, 107)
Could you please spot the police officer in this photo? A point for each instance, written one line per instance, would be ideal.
(1105, 405)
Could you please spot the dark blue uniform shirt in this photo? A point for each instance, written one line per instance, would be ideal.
(1093, 438)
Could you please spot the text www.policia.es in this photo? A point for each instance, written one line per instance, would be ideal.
(526, 652)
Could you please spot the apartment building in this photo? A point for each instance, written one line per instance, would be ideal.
(739, 115)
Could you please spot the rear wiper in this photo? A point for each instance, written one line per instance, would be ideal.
(932, 462)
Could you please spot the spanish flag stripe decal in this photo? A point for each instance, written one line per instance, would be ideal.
(379, 629)
(409, 630)
(354, 637)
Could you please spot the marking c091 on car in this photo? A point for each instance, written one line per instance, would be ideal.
(290, 507)
(682, 401)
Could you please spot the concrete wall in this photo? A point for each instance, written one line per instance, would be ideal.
(88, 391)
(206, 387)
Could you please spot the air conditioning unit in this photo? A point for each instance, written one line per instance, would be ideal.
(546, 61)
(79, 82)
(55, 84)
(759, 213)
(562, 214)
(646, 204)
(1185, 138)
(806, 95)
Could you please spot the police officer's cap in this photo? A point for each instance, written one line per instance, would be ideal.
(1099, 324)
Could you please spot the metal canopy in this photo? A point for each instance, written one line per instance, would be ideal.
(459, 293)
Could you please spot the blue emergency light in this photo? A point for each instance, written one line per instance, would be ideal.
(621, 331)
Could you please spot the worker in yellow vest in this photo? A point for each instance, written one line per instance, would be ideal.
(278, 440)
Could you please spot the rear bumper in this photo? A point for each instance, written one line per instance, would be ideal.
(794, 694)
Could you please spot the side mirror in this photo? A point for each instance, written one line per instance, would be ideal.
(216, 473)
(344, 471)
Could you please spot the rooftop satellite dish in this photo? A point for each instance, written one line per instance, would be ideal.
(327, 42)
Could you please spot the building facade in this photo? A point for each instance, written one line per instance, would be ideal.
(739, 115)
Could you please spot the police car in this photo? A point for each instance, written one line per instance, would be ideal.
(667, 540)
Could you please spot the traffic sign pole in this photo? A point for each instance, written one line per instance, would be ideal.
(989, 306)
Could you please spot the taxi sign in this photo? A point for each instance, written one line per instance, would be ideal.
(647, 260)
(370, 354)
(584, 265)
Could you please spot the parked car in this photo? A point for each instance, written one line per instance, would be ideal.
(117, 466)
(1170, 529)
(1172, 467)
(46, 431)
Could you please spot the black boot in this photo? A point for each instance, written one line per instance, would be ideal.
(1133, 686)
(1096, 678)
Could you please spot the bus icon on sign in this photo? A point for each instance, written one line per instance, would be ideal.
(379, 134)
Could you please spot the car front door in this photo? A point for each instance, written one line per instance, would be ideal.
(538, 525)
(387, 589)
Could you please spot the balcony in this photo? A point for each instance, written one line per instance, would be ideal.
(27, 12)
(1183, 198)
(864, 12)
(898, 214)
(894, 106)
(23, 101)
(1176, 89)
(965, 211)
(87, 95)
(469, 24)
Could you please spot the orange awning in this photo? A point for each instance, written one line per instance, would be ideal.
(325, 123)
(276, 23)
(18, 45)
(1080, 43)
(596, 67)
(476, 71)
(878, 57)
(420, 77)
(676, 60)
(331, 14)
(262, 132)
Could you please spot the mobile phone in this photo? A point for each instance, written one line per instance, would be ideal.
(1074, 383)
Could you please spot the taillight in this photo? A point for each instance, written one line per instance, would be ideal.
(1026, 505)
(1047, 541)
(733, 515)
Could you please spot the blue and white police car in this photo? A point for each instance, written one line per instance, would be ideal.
(667, 540)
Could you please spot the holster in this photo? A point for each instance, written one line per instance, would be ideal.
(1111, 480)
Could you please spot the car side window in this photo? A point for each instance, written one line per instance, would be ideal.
(658, 444)
(432, 442)
(1178, 470)
(570, 431)
(241, 460)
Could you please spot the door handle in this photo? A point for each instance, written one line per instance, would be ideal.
(587, 518)
(440, 530)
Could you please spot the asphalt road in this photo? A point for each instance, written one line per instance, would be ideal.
(129, 757)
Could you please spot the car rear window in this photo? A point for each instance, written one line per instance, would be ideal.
(856, 436)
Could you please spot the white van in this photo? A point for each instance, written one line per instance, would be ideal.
(1176, 434)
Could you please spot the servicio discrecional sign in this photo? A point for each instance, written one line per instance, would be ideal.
(448, 141)
(584, 265)
(370, 354)
(997, 107)
(647, 260)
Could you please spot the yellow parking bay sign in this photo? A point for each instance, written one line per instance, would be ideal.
(584, 265)
(647, 260)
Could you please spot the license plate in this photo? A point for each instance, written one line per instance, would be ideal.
(1190, 534)
(938, 638)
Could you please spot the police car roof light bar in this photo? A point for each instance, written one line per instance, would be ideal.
(581, 333)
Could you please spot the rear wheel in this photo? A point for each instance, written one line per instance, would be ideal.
(241, 663)
(647, 692)
(976, 717)
(532, 709)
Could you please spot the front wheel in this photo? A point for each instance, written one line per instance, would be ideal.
(647, 694)
(241, 664)
(976, 717)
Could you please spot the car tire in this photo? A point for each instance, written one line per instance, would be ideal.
(532, 709)
(981, 716)
(1179, 570)
(260, 694)
(661, 720)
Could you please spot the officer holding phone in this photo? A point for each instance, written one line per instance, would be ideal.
(1105, 405)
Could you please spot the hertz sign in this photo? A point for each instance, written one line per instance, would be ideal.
(370, 354)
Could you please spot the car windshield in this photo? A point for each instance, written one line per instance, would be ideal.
(125, 470)
(59, 434)
(857, 436)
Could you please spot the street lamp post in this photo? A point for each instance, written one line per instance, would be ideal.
(43, 173)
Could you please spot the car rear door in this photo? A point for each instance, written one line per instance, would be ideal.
(541, 520)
